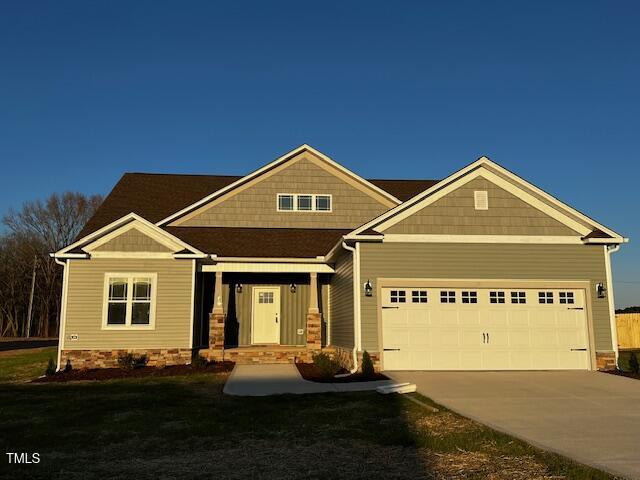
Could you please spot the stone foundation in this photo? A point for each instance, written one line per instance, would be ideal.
(606, 360)
(84, 359)
(267, 354)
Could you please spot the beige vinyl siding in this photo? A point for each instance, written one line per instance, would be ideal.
(132, 241)
(485, 261)
(455, 214)
(256, 206)
(342, 302)
(85, 303)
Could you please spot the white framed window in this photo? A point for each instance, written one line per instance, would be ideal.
(447, 296)
(518, 297)
(398, 296)
(419, 296)
(304, 202)
(481, 200)
(545, 297)
(129, 301)
(469, 297)
(265, 297)
(566, 297)
(496, 297)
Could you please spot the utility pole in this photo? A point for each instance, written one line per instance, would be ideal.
(33, 287)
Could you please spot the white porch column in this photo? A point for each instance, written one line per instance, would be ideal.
(313, 293)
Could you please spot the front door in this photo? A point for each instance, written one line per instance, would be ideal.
(266, 315)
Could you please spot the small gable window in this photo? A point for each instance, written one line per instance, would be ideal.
(285, 202)
(481, 200)
(304, 202)
(323, 203)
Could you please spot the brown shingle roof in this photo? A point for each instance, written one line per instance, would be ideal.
(259, 242)
(404, 189)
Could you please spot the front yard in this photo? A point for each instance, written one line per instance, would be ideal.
(184, 427)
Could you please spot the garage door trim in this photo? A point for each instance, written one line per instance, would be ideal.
(487, 283)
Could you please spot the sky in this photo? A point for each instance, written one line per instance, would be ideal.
(550, 90)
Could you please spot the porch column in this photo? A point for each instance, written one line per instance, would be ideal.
(216, 321)
(314, 321)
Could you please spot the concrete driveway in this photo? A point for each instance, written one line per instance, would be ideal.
(591, 417)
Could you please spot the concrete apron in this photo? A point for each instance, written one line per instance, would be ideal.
(277, 379)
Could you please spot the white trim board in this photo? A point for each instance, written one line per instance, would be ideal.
(268, 267)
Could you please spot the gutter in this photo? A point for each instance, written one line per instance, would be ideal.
(356, 303)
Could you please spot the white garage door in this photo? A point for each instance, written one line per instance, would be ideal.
(484, 329)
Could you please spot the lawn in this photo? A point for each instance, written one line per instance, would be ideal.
(184, 427)
(23, 365)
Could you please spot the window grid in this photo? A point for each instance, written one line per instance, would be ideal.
(304, 202)
(518, 297)
(265, 297)
(496, 297)
(469, 297)
(129, 300)
(447, 296)
(419, 296)
(545, 297)
(398, 296)
(566, 297)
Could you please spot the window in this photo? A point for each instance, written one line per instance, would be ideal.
(398, 296)
(419, 296)
(469, 297)
(496, 297)
(447, 296)
(129, 300)
(285, 202)
(566, 297)
(481, 200)
(265, 297)
(518, 297)
(303, 202)
(323, 203)
(545, 297)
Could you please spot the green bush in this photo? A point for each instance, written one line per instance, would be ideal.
(129, 361)
(198, 361)
(326, 365)
(51, 368)
(634, 366)
(367, 365)
(68, 367)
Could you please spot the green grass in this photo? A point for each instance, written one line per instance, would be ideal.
(24, 366)
(184, 427)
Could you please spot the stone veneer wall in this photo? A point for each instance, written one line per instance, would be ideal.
(606, 360)
(81, 359)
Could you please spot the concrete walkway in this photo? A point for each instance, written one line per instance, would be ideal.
(276, 379)
(591, 417)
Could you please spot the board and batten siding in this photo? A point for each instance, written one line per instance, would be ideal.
(85, 304)
(455, 214)
(342, 301)
(256, 205)
(485, 261)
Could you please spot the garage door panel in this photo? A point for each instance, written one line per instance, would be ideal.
(469, 318)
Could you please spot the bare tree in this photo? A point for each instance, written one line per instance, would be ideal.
(37, 229)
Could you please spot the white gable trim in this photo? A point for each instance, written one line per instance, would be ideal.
(280, 160)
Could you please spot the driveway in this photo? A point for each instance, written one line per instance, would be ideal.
(591, 417)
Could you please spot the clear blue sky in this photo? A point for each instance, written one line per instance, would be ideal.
(89, 90)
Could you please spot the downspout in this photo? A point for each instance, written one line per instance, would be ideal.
(612, 309)
(63, 309)
(356, 304)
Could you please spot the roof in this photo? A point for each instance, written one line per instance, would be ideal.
(156, 196)
(260, 242)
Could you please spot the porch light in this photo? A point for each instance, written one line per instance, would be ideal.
(293, 287)
(601, 290)
(239, 288)
(368, 289)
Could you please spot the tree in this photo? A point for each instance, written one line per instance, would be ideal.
(37, 229)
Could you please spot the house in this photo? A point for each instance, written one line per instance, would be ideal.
(480, 270)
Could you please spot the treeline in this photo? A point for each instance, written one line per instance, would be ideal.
(30, 234)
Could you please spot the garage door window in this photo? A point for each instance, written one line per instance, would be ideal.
(545, 297)
(469, 297)
(447, 296)
(496, 297)
(419, 296)
(398, 296)
(518, 297)
(566, 297)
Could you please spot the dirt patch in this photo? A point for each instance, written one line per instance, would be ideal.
(446, 423)
(310, 372)
(620, 373)
(113, 373)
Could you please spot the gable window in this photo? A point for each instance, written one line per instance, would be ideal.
(419, 296)
(496, 297)
(566, 297)
(545, 297)
(129, 300)
(285, 202)
(481, 200)
(447, 296)
(469, 297)
(305, 202)
(323, 203)
(398, 296)
(518, 297)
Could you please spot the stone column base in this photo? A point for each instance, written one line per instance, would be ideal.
(606, 360)
(314, 331)
(216, 331)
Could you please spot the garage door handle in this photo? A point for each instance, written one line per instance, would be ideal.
(389, 307)
(578, 349)
(391, 349)
(575, 308)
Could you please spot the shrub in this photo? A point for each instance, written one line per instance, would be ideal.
(129, 361)
(68, 367)
(51, 368)
(367, 365)
(326, 365)
(634, 365)
(198, 361)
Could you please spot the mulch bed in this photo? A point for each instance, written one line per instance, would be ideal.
(310, 372)
(112, 373)
(624, 374)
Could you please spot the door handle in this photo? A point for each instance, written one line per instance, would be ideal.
(276, 318)
(578, 349)
(487, 337)
(391, 349)
(484, 337)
